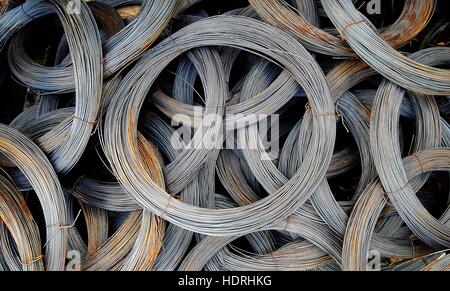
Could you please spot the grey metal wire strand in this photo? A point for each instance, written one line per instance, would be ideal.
(38, 170)
(393, 65)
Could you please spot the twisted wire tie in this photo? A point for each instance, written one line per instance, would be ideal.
(335, 114)
(387, 194)
(167, 206)
(88, 122)
(61, 227)
(341, 116)
(30, 262)
(177, 47)
(348, 25)
(422, 169)
(323, 114)
(93, 123)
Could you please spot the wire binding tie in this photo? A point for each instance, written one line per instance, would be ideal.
(323, 114)
(344, 124)
(422, 169)
(167, 206)
(61, 227)
(387, 194)
(177, 47)
(32, 261)
(348, 25)
(94, 123)
(88, 122)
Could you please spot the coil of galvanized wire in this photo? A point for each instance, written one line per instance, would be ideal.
(166, 206)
